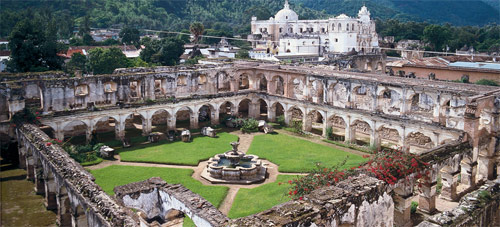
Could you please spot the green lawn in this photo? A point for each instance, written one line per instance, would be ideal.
(251, 201)
(297, 155)
(110, 177)
(178, 152)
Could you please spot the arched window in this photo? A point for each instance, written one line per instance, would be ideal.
(281, 30)
(333, 27)
(290, 30)
(347, 27)
(352, 27)
(340, 27)
(304, 43)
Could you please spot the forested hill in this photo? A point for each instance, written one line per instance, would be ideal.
(235, 14)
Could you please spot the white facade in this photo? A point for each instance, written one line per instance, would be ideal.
(291, 36)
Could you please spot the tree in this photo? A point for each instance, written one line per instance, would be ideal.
(165, 52)
(130, 36)
(196, 29)
(242, 54)
(32, 49)
(77, 62)
(105, 61)
(437, 35)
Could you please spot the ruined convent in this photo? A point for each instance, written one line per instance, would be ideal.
(285, 34)
(452, 126)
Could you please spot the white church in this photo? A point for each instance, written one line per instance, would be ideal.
(285, 34)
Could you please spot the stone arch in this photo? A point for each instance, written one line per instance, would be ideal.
(421, 103)
(202, 79)
(226, 109)
(419, 140)
(135, 87)
(104, 127)
(279, 85)
(134, 125)
(361, 97)
(361, 132)
(314, 122)
(76, 130)
(244, 82)
(159, 120)
(318, 91)
(50, 189)
(33, 97)
(298, 85)
(338, 94)
(63, 207)
(183, 117)
(338, 125)
(206, 114)
(79, 216)
(244, 108)
(278, 110)
(262, 83)
(389, 101)
(389, 137)
(223, 82)
(263, 109)
(379, 66)
(295, 115)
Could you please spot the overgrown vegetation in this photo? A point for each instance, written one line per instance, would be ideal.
(249, 125)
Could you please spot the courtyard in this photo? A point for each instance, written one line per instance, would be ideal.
(285, 155)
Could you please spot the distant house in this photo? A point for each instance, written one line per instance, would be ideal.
(221, 50)
(4, 57)
(104, 34)
(451, 67)
(129, 50)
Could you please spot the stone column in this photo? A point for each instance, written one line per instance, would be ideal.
(50, 193)
(79, 219)
(63, 210)
(171, 122)
(450, 183)
(39, 181)
(253, 110)
(288, 116)
(350, 135)
(486, 160)
(402, 210)
(325, 126)
(427, 198)
(59, 134)
(375, 139)
(147, 126)
(120, 130)
(30, 167)
(271, 114)
(88, 134)
(468, 174)
(193, 121)
(304, 122)
(214, 117)
(22, 156)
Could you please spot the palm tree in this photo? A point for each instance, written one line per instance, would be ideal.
(196, 29)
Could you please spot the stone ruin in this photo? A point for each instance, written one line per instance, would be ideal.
(453, 126)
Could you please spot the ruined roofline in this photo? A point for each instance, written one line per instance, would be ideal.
(470, 89)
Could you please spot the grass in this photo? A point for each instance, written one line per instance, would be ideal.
(254, 200)
(95, 162)
(178, 152)
(298, 155)
(110, 177)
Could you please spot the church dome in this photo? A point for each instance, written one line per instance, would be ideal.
(286, 14)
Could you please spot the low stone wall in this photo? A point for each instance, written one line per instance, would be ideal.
(357, 201)
(100, 209)
(156, 199)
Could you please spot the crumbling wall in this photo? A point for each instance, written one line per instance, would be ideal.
(156, 198)
(478, 208)
(357, 201)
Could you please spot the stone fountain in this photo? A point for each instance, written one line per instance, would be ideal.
(234, 167)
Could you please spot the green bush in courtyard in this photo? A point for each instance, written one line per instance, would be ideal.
(250, 125)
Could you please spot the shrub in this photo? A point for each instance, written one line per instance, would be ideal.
(249, 125)
(281, 120)
(487, 82)
(296, 126)
(413, 207)
(319, 177)
(329, 132)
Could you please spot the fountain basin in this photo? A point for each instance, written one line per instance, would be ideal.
(234, 168)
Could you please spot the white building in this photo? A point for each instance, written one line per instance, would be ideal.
(285, 34)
